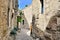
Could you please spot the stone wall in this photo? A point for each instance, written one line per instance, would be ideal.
(7, 18)
(28, 14)
(3, 18)
(47, 22)
(50, 9)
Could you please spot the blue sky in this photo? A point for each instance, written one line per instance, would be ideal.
(22, 3)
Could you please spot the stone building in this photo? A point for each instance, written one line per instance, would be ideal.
(45, 23)
(8, 13)
(50, 8)
(27, 16)
(47, 18)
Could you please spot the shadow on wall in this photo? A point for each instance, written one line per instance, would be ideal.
(24, 24)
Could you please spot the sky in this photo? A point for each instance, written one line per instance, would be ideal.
(23, 3)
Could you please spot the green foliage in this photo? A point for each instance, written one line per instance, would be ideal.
(19, 19)
(26, 5)
(14, 31)
(21, 13)
(16, 28)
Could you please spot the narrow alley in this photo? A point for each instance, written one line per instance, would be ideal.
(29, 19)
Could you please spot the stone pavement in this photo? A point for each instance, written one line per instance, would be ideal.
(23, 35)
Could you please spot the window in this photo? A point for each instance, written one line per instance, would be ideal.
(23, 22)
(42, 5)
(12, 16)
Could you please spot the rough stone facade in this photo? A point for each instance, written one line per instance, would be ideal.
(3, 18)
(7, 15)
(53, 28)
(42, 21)
(50, 9)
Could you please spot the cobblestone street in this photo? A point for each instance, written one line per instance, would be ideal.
(23, 35)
